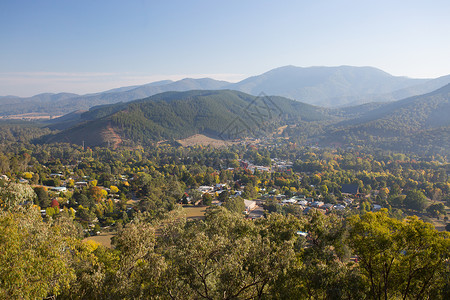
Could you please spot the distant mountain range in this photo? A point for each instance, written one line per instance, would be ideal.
(327, 86)
(415, 124)
(321, 86)
(63, 103)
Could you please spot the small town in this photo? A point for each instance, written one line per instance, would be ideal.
(229, 150)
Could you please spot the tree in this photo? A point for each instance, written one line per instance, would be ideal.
(85, 214)
(27, 175)
(323, 190)
(70, 183)
(13, 194)
(224, 196)
(224, 257)
(42, 197)
(272, 205)
(206, 199)
(82, 199)
(114, 189)
(396, 201)
(415, 200)
(96, 193)
(250, 191)
(383, 192)
(436, 210)
(322, 271)
(139, 268)
(398, 258)
(33, 255)
(235, 204)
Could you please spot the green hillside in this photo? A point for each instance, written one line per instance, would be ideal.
(415, 113)
(416, 124)
(173, 115)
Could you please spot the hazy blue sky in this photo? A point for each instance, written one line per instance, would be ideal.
(89, 46)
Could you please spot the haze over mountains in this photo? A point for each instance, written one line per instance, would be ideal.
(316, 105)
(327, 86)
(321, 86)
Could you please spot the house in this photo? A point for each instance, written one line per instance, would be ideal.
(243, 164)
(348, 201)
(303, 202)
(237, 194)
(327, 206)
(206, 189)
(249, 205)
(59, 188)
(220, 186)
(339, 207)
(259, 168)
(317, 204)
(280, 196)
(289, 201)
(351, 189)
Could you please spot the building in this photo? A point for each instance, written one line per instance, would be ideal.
(289, 201)
(249, 205)
(59, 188)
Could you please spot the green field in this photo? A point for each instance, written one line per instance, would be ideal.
(103, 238)
(195, 212)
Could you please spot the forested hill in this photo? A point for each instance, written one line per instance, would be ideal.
(416, 124)
(427, 111)
(223, 114)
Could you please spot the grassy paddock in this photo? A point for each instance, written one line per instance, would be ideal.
(103, 238)
(195, 212)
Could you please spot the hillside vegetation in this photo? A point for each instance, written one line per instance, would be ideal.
(416, 124)
(175, 115)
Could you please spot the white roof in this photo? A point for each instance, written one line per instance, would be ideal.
(59, 188)
(292, 200)
(249, 204)
(339, 206)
